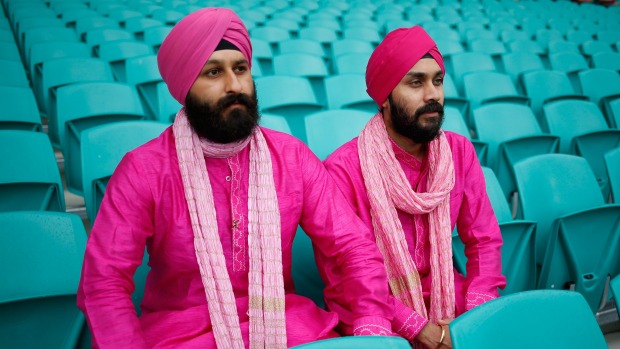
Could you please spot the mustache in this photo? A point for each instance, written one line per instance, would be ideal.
(231, 99)
(430, 107)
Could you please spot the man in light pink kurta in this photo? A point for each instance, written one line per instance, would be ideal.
(401, 85)
(146, 205)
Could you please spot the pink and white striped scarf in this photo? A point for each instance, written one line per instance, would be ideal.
(389, 189)
(266, 284)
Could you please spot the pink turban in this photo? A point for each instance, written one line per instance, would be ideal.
(188, 46)
(400, 50)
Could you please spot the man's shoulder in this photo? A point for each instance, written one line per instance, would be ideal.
(344, 154)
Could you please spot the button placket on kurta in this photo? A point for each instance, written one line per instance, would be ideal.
(238, 221)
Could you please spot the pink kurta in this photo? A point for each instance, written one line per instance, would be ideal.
(470, 211)
(145, 205)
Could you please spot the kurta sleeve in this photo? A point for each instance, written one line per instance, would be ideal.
(114, 250)
(406, 321)
(348, 259)
(478, 229)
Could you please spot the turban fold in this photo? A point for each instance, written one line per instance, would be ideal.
(400, 50)
(188, 46)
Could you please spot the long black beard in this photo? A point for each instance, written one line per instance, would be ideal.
(210, 122)
(409, 125)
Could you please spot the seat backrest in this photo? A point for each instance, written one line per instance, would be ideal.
(344, 46)
(598, 83)
(543, 85)
(468, 62)
(42, 254)
(328, 130)
(567, 61)
(606, 60)
(19, 109)
(612, 161)
(275, 122)
(548, 318)
(30, 179)
(49, 34)
(117, 52)
(142, 69)
(12, 73)
(570, 118)
(563, 46)
(301, 46)
(488, 86)
(546, 192)
(102, 149)
(496, 196)
(518, 63)
(299, 64)
(96, 37)
(352, 63)
(66, 71)
(44, 51)
(348, 91)
(500, 122)
(591, 47)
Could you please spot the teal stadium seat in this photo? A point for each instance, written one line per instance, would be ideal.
(288, 96)
(275, 122)
(9, 52)
(19, 109)
(602, 86)
(348, 91)
(85, 24)
(606, 60)
(357, 342)
(527, 45)
(518, 63)
(102, 149)
(583, 131)
(46, 34)
(536, 319)
(578, 234)
(41, 260)
(84, 105)
(66, 71)
(116, 54)
(563, 46)
(544, 86)
(302, 46)
(467, 62)
(143, 73)
(328, 130)
(30, 179)
(154, 36)
(612, 162)
(455, 121)
(305, 65)
(13, 73)
(137, 26)
(351, 63)
(306, 277)
(513, 134)
(95, 37)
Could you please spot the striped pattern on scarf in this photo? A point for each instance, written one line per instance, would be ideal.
(389, 189)
(266, 284)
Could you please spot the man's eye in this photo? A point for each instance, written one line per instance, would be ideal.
(212, 72)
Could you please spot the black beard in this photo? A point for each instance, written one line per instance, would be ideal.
(209, 121)
(409, 126)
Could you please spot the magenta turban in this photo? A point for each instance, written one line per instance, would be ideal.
(191, 42)
(400, 50)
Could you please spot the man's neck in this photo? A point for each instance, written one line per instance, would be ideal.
(417, 150)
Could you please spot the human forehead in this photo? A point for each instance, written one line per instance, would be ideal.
(226, 57)
(425, 66)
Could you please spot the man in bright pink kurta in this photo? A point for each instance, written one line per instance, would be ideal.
(469, 207)
(146, 205)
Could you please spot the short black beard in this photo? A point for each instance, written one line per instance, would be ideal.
(409, 125)
(209, 121)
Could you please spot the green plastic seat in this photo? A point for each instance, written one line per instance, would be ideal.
(612, 162)
(275, 122)
(583, 131)
(543, 86)
(305, 65)
(328, 130)
(117, 52)
(30, 179)
(84, 105)
(518, 63)
(348, 91)
(535, 319)
(577, 236)
(513, 134)
(289, 96)
(358, 342)
(13, 73)
(102, 148)
(484, 87)
(19, 109)
(455, 121)
(65, 71)
(602, 86)
(351, 63)
(41, 259)
(467, 62)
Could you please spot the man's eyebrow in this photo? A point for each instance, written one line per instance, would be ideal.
(418, 75)
(217, 61)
